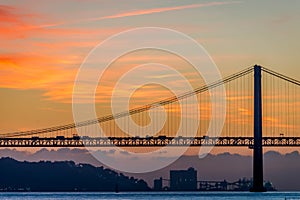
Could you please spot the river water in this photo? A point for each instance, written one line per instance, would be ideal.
(154, 195)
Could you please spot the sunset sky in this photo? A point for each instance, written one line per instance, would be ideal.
(43, 43)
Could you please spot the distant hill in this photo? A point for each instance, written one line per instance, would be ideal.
(63, 176)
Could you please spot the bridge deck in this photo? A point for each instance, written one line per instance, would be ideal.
(149, 142)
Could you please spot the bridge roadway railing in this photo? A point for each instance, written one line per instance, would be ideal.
(147, 142)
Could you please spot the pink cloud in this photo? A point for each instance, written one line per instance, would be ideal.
(160, 10)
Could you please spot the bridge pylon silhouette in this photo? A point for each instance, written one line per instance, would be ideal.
(258, 180)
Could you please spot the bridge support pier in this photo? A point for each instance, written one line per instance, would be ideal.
(258, 179)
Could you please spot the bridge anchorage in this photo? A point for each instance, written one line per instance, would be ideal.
(261, 112)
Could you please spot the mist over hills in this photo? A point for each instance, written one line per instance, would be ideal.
(281, 169)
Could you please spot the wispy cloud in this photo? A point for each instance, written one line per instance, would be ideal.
(160, 10)
(139, 12)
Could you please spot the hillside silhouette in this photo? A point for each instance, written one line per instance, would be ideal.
(280, 168)
(63, 176)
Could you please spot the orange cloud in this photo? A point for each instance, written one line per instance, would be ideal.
(14, 23)
(30, 71)
(51, 65)
(6, 14)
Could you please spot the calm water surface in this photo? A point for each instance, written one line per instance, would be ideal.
(164, 195)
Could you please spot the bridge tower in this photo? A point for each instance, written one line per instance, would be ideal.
(258, 178)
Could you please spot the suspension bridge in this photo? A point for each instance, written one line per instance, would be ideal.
(261, 110)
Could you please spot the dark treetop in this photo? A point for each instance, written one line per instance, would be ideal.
(63, 176)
